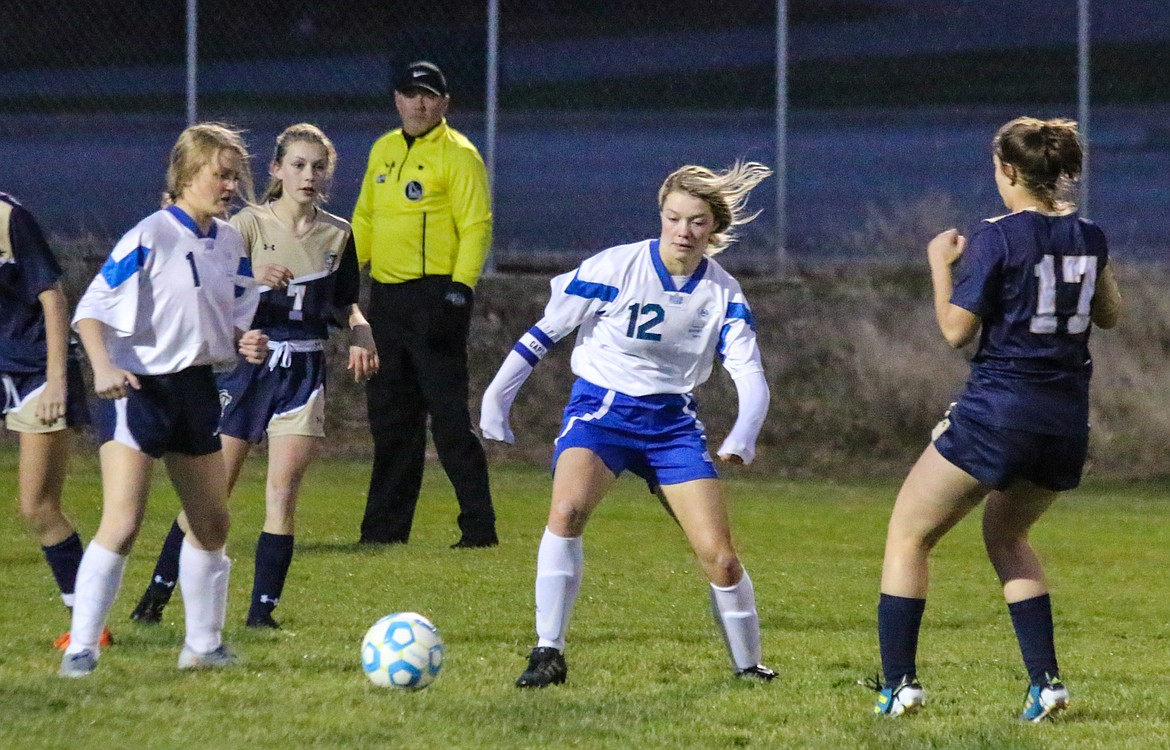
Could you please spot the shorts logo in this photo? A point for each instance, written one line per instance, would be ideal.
(414, 190)
(225, 399)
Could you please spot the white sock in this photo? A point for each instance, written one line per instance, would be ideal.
(558, 579)
(98, 579)
(734, 608)
(203, 579)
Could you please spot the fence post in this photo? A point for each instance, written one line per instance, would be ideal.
(782, 260)
(192, 60)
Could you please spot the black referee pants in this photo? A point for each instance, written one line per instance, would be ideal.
(422, 346)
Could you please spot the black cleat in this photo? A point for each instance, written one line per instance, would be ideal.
(546, 666)
(466, 543)
(261, 620)
(150, 608)
(758, 672)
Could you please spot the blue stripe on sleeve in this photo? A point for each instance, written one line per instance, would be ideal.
(592, 290)
(526, 353)
(245, 268)
(540, 336)
(742, 311)
(720, 349)
(117, 271)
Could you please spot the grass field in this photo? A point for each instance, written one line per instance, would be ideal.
(647, 668)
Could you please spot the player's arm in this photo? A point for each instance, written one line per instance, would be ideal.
(958, 325)
(109, 380)
(739, 352)
(1106, 308)
(363, 352)
(252, 343)
(51, 405)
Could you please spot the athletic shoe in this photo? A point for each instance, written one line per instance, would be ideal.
(466, 543)
(150, 608)
(77, 665)
(1045, 700)
(105, 640)
(758, 672)
(261, 620)
(905, 698)
(216, 659)
(546, 666)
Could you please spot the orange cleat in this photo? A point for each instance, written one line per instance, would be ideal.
(105, 641)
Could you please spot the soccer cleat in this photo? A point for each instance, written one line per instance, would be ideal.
(758, 672)
(77, 665)
(105, 640)
(261, 620)
(1044, 700)
(905, 698)
(546, 666)
(150, 608)
(466, 543)
(217, 659)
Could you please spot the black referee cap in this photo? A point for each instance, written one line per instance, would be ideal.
(422, 75)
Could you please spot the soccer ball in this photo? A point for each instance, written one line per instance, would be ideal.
(402, 650)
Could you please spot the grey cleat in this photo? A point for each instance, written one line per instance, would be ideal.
(217, 659)
(80, 664)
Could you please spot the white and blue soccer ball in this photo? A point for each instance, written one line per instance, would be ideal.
(402, 650)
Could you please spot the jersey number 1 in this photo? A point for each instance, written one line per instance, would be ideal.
(1075, 269)
(194, 268)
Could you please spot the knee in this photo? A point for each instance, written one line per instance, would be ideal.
(212, 529)
(567, 519)
(42, 517)
(724, 569)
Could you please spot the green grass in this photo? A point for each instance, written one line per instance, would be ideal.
(647, 668)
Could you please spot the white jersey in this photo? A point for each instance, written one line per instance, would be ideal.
(173, 296)
(643, 333)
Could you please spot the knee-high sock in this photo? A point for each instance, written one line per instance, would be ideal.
(1032, 620)
(899, 620)
(203, 578)
(274, 553)
(166, 568)
(64, 558)
(734, 608)
(558, 579)
(98, 579)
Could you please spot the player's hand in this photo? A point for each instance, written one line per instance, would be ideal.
(113, 382)
(946, 248)
(51, 404)
(731, 458)
(254, 346)
(363, 353)
(274, 276)
(493, 421)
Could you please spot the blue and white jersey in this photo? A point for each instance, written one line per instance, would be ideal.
(173, 296)
(1031, 278)
(27, 268)
(325, 272)
(643, 331)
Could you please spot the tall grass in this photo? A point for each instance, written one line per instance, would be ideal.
(646, 667)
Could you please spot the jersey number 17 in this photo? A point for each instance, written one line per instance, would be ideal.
(1052, 308)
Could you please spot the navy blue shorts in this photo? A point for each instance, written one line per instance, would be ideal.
(657, 437)
(282, 399)
(997, 456)
(176, 413)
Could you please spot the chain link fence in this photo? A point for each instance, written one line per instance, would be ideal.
(893, 105)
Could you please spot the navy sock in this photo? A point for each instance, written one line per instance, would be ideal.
(166, 570)
(64, 557)
(899, 619)
(274, 554)
(1032, 619)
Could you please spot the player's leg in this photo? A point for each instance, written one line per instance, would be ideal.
(288, 459)
(580, 480)
(935, 496)
(203, 567)
(701, 510)
(125, 487)
(44, 458)
(1007, 519)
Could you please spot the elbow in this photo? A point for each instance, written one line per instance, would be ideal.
(957, 338)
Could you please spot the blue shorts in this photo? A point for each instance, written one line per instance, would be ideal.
(22, 392)
(283, 399)
(658, 437)
(176, 413)
(997, 456)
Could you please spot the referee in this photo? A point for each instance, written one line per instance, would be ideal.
(423, 224)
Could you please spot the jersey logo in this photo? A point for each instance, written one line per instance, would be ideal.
(414, 190)
(330, 261)
(269, 248)
(676, 299)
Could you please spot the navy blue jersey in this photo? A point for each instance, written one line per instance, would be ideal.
(1030, 278)
(27, 268)
(324, 267)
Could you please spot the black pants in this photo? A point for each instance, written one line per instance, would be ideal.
(422, 346)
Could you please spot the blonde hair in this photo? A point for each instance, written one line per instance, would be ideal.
(1046, 154)
(197, 146)
(301, 133)
(725, 192)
